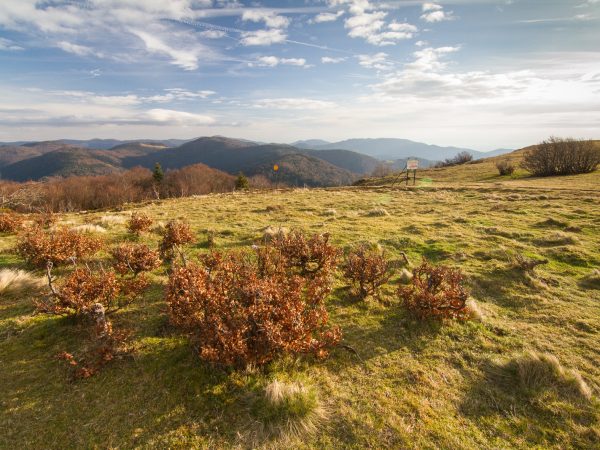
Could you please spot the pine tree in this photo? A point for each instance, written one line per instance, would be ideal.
(157, 176)
(158, 173)
(241, 183)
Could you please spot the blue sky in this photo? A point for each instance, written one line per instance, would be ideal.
(482, 74)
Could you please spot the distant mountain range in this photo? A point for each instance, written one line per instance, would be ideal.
(312, 162)
(393, 149)
(35, 161)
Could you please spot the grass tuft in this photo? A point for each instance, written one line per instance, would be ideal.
(537, 372)
(377, 212)
(89, 228)
(19, 282)
(288, 410)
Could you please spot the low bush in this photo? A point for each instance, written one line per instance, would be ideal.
(45, 219)
(134, 259)
(175, 234)
(139, 223)
(85, 288)
(557, 156)
(309, 255)
(10, 222)
(38, 247)
(435, 291)
(505, 167)
(246, 311)
(460, 158)
(367, 268)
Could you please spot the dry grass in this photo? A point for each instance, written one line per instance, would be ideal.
(542, 371)
(377, 212)
(270, 232)
(289, 410)
(110, 220)
(89, 228)
(18, 282)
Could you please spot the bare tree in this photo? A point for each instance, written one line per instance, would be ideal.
(558, 156)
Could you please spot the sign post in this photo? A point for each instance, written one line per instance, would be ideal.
(412, 164)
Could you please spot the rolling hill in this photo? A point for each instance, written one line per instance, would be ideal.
(391, 148)
(297, 167)
(66, 161)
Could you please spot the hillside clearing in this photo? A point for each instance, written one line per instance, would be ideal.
(416, 385)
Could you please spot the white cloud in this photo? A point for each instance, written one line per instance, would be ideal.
(330, 60)
(270, 19)
(186, 59)
(435, 13)
(7, 45)
(212, 34)
(293, 103)
(367, 23)
(327, 17)
(377, 61)
(263, 37)
(431, 7)
(80, 50)
(273, 61)
(171, 117)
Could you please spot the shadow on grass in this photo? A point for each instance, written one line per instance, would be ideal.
(141, 399)
(539, 418)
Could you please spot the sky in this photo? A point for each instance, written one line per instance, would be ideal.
(481, 74)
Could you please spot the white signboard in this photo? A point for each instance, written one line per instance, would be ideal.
(412, 164)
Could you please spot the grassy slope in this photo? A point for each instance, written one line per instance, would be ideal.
(421, 385)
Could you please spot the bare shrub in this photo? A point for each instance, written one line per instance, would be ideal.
(17, 282)
(139, 223)
(382, 170)
(104, 345)
(542, 371)
(367, 268)
(558, 156)
(241, 314)
(435, 291)
(134, 259)
(10, 222)
(38, 247)
(45, 219)
(460, 158)
(175, 234)
(505, 167)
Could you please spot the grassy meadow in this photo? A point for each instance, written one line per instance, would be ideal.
(412, 384)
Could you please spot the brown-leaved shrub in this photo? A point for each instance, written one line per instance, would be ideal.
(367, 268)
(139, 223)
(10, 223)
(134, 258)
(240, 314)
(38, 247)
(84, 288)
(436, 291)
(308, 255)
(175, 234)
